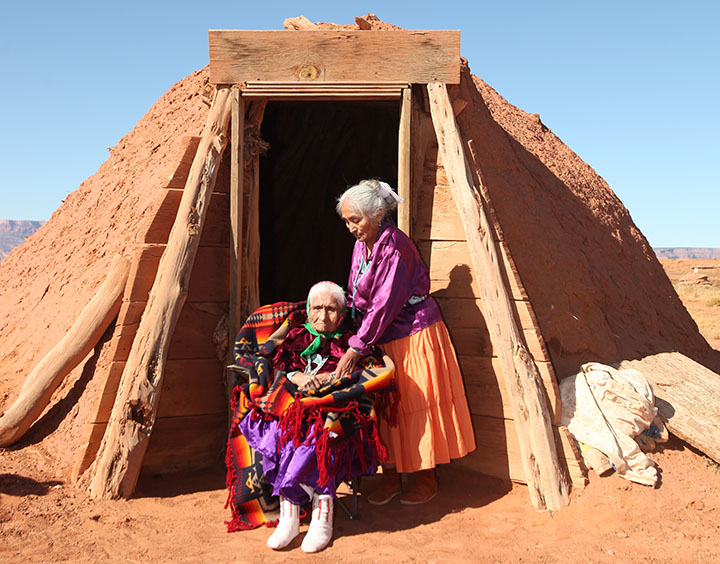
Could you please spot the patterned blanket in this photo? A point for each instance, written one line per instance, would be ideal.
(342, 411)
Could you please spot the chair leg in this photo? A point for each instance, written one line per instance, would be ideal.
(353, 513)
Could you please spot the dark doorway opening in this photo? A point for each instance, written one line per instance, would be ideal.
(317, 150)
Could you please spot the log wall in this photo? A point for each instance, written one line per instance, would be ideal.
(190, 428)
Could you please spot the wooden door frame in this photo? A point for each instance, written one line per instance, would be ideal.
(244, 246)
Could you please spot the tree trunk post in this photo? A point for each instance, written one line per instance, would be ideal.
(545, 477)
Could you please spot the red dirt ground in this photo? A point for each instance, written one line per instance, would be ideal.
(474, 519)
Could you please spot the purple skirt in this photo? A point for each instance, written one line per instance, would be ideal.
(286, 466)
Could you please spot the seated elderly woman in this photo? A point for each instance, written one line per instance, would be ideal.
(313, 430)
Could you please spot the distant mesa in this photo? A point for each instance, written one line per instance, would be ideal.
(13, 232)
(686, 253)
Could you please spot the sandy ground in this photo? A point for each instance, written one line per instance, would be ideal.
(474, 519)
(694, 297)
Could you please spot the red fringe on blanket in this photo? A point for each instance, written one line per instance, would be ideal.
(306, 425)
(386, 406)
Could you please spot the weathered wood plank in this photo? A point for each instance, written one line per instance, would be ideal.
(483, 375)
(190, 387)
(485, 394)
(88, 448)
(687, 396)
(179, 176)
(404, 173)
(437, 217)
(193, 387)
(251, 266)
(159, 229)
(144, 271)
(130, 313)
(237, 209)
(334, 56)
(322, 91)
(423, 142)
(217, 228)
(469, 313)
(450, 262)
(498, 452)
(76, 344)
(471, 340)
(546, 479)
(209, 280)
(109, 392)
(185, 443)
(193, 333)
(217, 224)
(119, 460)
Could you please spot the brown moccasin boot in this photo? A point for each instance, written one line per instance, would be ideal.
(390, 486)
(424, 489)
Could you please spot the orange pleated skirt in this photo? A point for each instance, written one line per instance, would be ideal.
(433, 424)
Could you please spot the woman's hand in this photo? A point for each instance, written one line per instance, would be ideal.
(308, 382)
(347, 363)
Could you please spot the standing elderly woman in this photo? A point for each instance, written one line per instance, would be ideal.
(388, 288)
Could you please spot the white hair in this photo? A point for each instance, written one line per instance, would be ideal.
(365, 198)
(336, 292)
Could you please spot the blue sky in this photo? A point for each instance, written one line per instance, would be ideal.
(632, 87)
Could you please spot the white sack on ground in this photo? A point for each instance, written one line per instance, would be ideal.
(605, 408)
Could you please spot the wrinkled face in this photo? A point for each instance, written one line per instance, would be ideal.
(324, 312)
(362, 227)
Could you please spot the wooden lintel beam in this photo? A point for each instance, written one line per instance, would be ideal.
(316, 56)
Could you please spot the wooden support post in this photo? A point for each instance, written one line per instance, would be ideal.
(77, 343)
(117, 466)
(237, 177)
(256, 112)
(546, 479)
(404, 143)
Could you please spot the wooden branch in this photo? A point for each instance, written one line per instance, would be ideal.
(404, 144)
(255, 114)
(77, 343)
(545, 478)
(117, 466)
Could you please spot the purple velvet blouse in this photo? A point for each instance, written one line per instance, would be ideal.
(395, 274)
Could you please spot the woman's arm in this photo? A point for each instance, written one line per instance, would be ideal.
(347, 363)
